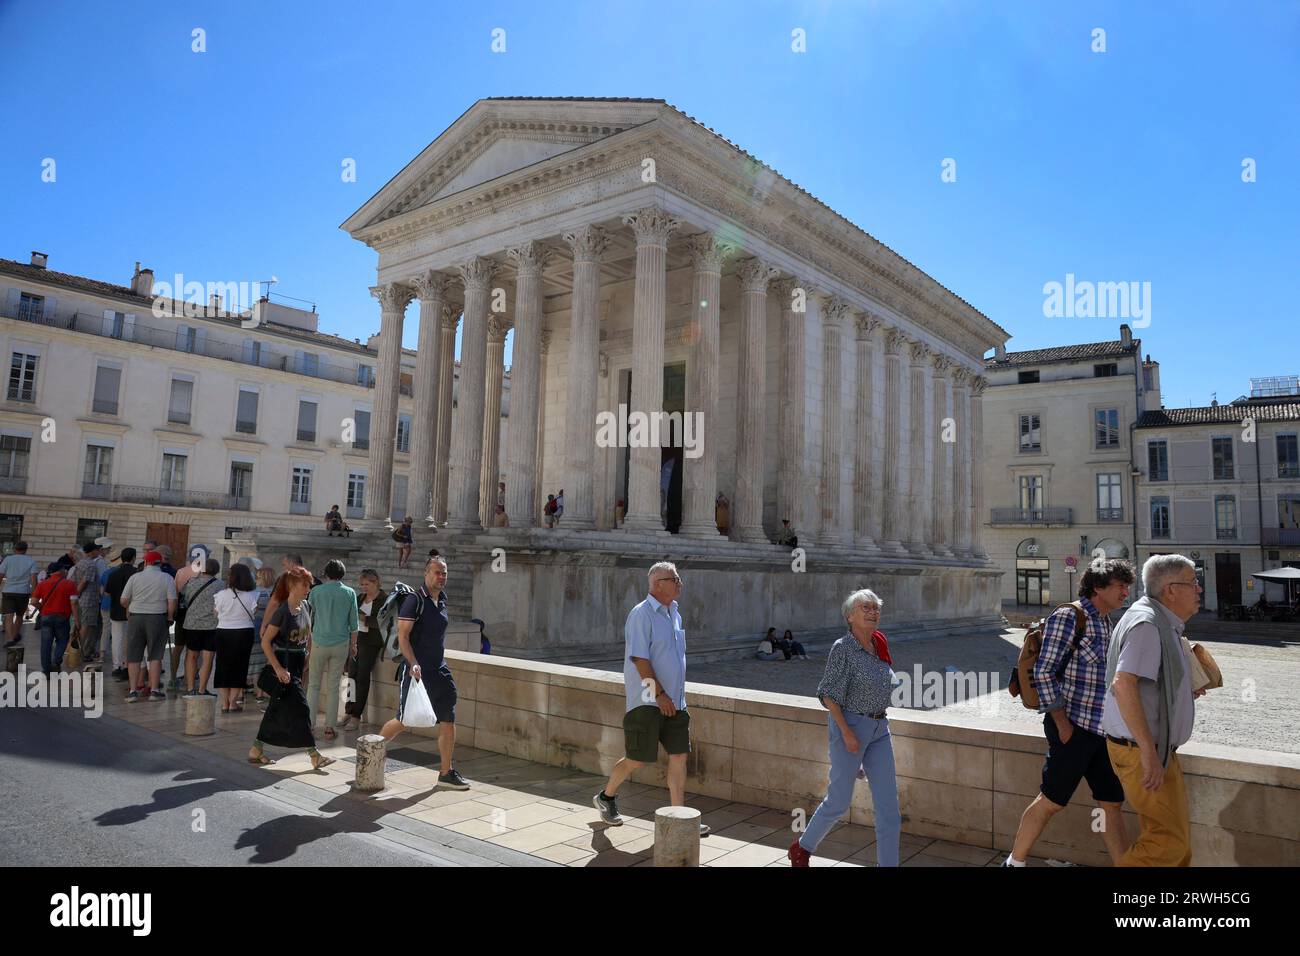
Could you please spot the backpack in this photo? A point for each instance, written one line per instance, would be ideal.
(1021, 684)
(387, 618)
(550, 507)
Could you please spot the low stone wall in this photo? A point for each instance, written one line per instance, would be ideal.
(963, 781)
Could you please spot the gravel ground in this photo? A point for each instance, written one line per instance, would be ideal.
(1258, 706)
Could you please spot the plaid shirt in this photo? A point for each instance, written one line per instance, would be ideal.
(1082, 687)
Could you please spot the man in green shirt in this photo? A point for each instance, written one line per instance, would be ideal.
(333, 635)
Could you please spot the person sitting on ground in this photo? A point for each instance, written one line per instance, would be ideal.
(722, 514)
(334, 521)
(786, 536)
(795, 647)
(499, 519)
(548, 511)
(766, 648)
(780, 644)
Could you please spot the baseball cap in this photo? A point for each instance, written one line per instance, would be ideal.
(152, 557)
(105, 543)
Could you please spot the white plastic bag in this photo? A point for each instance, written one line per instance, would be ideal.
(419, 710)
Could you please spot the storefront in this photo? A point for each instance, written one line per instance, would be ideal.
(1033, 574)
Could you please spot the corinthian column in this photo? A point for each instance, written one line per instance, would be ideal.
(589, 244)
(701, 475)
(467, 433)
(918, 501)
(432, 290)
(960, 516)
(747, 506)
(792, 469)
(941, 518)
(651, 226)
(866, 494)
(446, 379)
(977, 472)
(892, 528)
(544, 354)
(393, 300)
(521, 453)
(498, 326)
(832, 527)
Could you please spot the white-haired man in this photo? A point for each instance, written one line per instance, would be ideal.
(654, 678)
(1149, 710)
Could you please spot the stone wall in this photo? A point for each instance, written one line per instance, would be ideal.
(967, 782)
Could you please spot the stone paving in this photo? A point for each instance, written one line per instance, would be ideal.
(1257, 707)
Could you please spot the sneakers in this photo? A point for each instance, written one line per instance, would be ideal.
(704, 829)
(157, 695)
(797, 855)
(608, 807)
(133, 697)
(452, 780)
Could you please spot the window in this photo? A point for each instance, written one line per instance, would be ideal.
(306, 420)
(1028, 378)
(118, 325)
(1031, 492)
(1225, 516)
(178, 407)
(1158, 460)
(241, 483)
(246, 412)
(366, 376)
(1030, 435)
(252, 351)
(22, 377)
(31, 308)
(173, 472)
(99, 466)
(1105, 370)
(108, 382)
(1109, 501)
(1222, 453)
(356, 500)
(300, 490)
(1106, 421)
(187, 338)
(404, 434)
(1288, 459)
(308, 363)
(1159, 517)
(361, 440)
(88, 529)
(11, 532)
(15, 452)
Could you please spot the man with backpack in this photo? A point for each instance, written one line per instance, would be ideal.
(1069, 683)
(421, 627)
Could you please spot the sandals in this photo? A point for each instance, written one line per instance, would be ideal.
(320, 761)
(225, 710)
(261, 759)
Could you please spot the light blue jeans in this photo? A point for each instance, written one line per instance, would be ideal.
(876, 756)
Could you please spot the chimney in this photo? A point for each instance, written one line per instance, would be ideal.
(214, 303)
(259, 312)
(39, 259)
(1000, 352)
(1126, 336)
(142, 281)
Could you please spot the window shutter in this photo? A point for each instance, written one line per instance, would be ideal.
(128, 327)
(247, 409)
(108, 383)
(363, 426)
(11, 302)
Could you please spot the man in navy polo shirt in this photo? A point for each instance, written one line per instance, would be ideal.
(421, 635)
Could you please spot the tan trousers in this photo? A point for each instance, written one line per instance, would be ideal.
(1166, 835)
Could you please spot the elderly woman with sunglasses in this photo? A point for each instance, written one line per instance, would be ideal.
(856, 689)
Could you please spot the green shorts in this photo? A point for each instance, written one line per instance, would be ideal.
(645, 728)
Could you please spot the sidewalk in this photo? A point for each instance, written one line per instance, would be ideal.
(540, 810)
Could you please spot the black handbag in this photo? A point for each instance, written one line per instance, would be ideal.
(268, 683)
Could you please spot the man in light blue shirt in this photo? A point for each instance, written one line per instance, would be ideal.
(18, 580)
(654, 679)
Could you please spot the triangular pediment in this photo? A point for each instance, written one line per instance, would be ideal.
(494, 138)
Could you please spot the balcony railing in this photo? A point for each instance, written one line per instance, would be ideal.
(161, 333)
(306, 434)
(103, 406)
(246, 428)
(16, 485)
(96, 491)
(1032, 516)
(178, 497)
(1281, 538)
(300, 507)
(1226, 534)
(1109, 514)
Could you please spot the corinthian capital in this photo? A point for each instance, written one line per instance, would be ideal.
(530, 258)
(432, 286)
(919, 352)
(589, 243)
(450, 318)
(498, 326)
(477, 273)
(960, 377)
(833, 310)
(755, 274)
(546, 341)
(651, 225)
(894, 341)
(977, 385)
(707, 251)
(866, 324)
(941, 364)
(392, 297)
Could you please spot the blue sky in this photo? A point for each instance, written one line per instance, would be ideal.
(1117, 166)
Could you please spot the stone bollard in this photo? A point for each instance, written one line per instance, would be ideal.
(200, 715)
(677, 836)
(372, 750)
